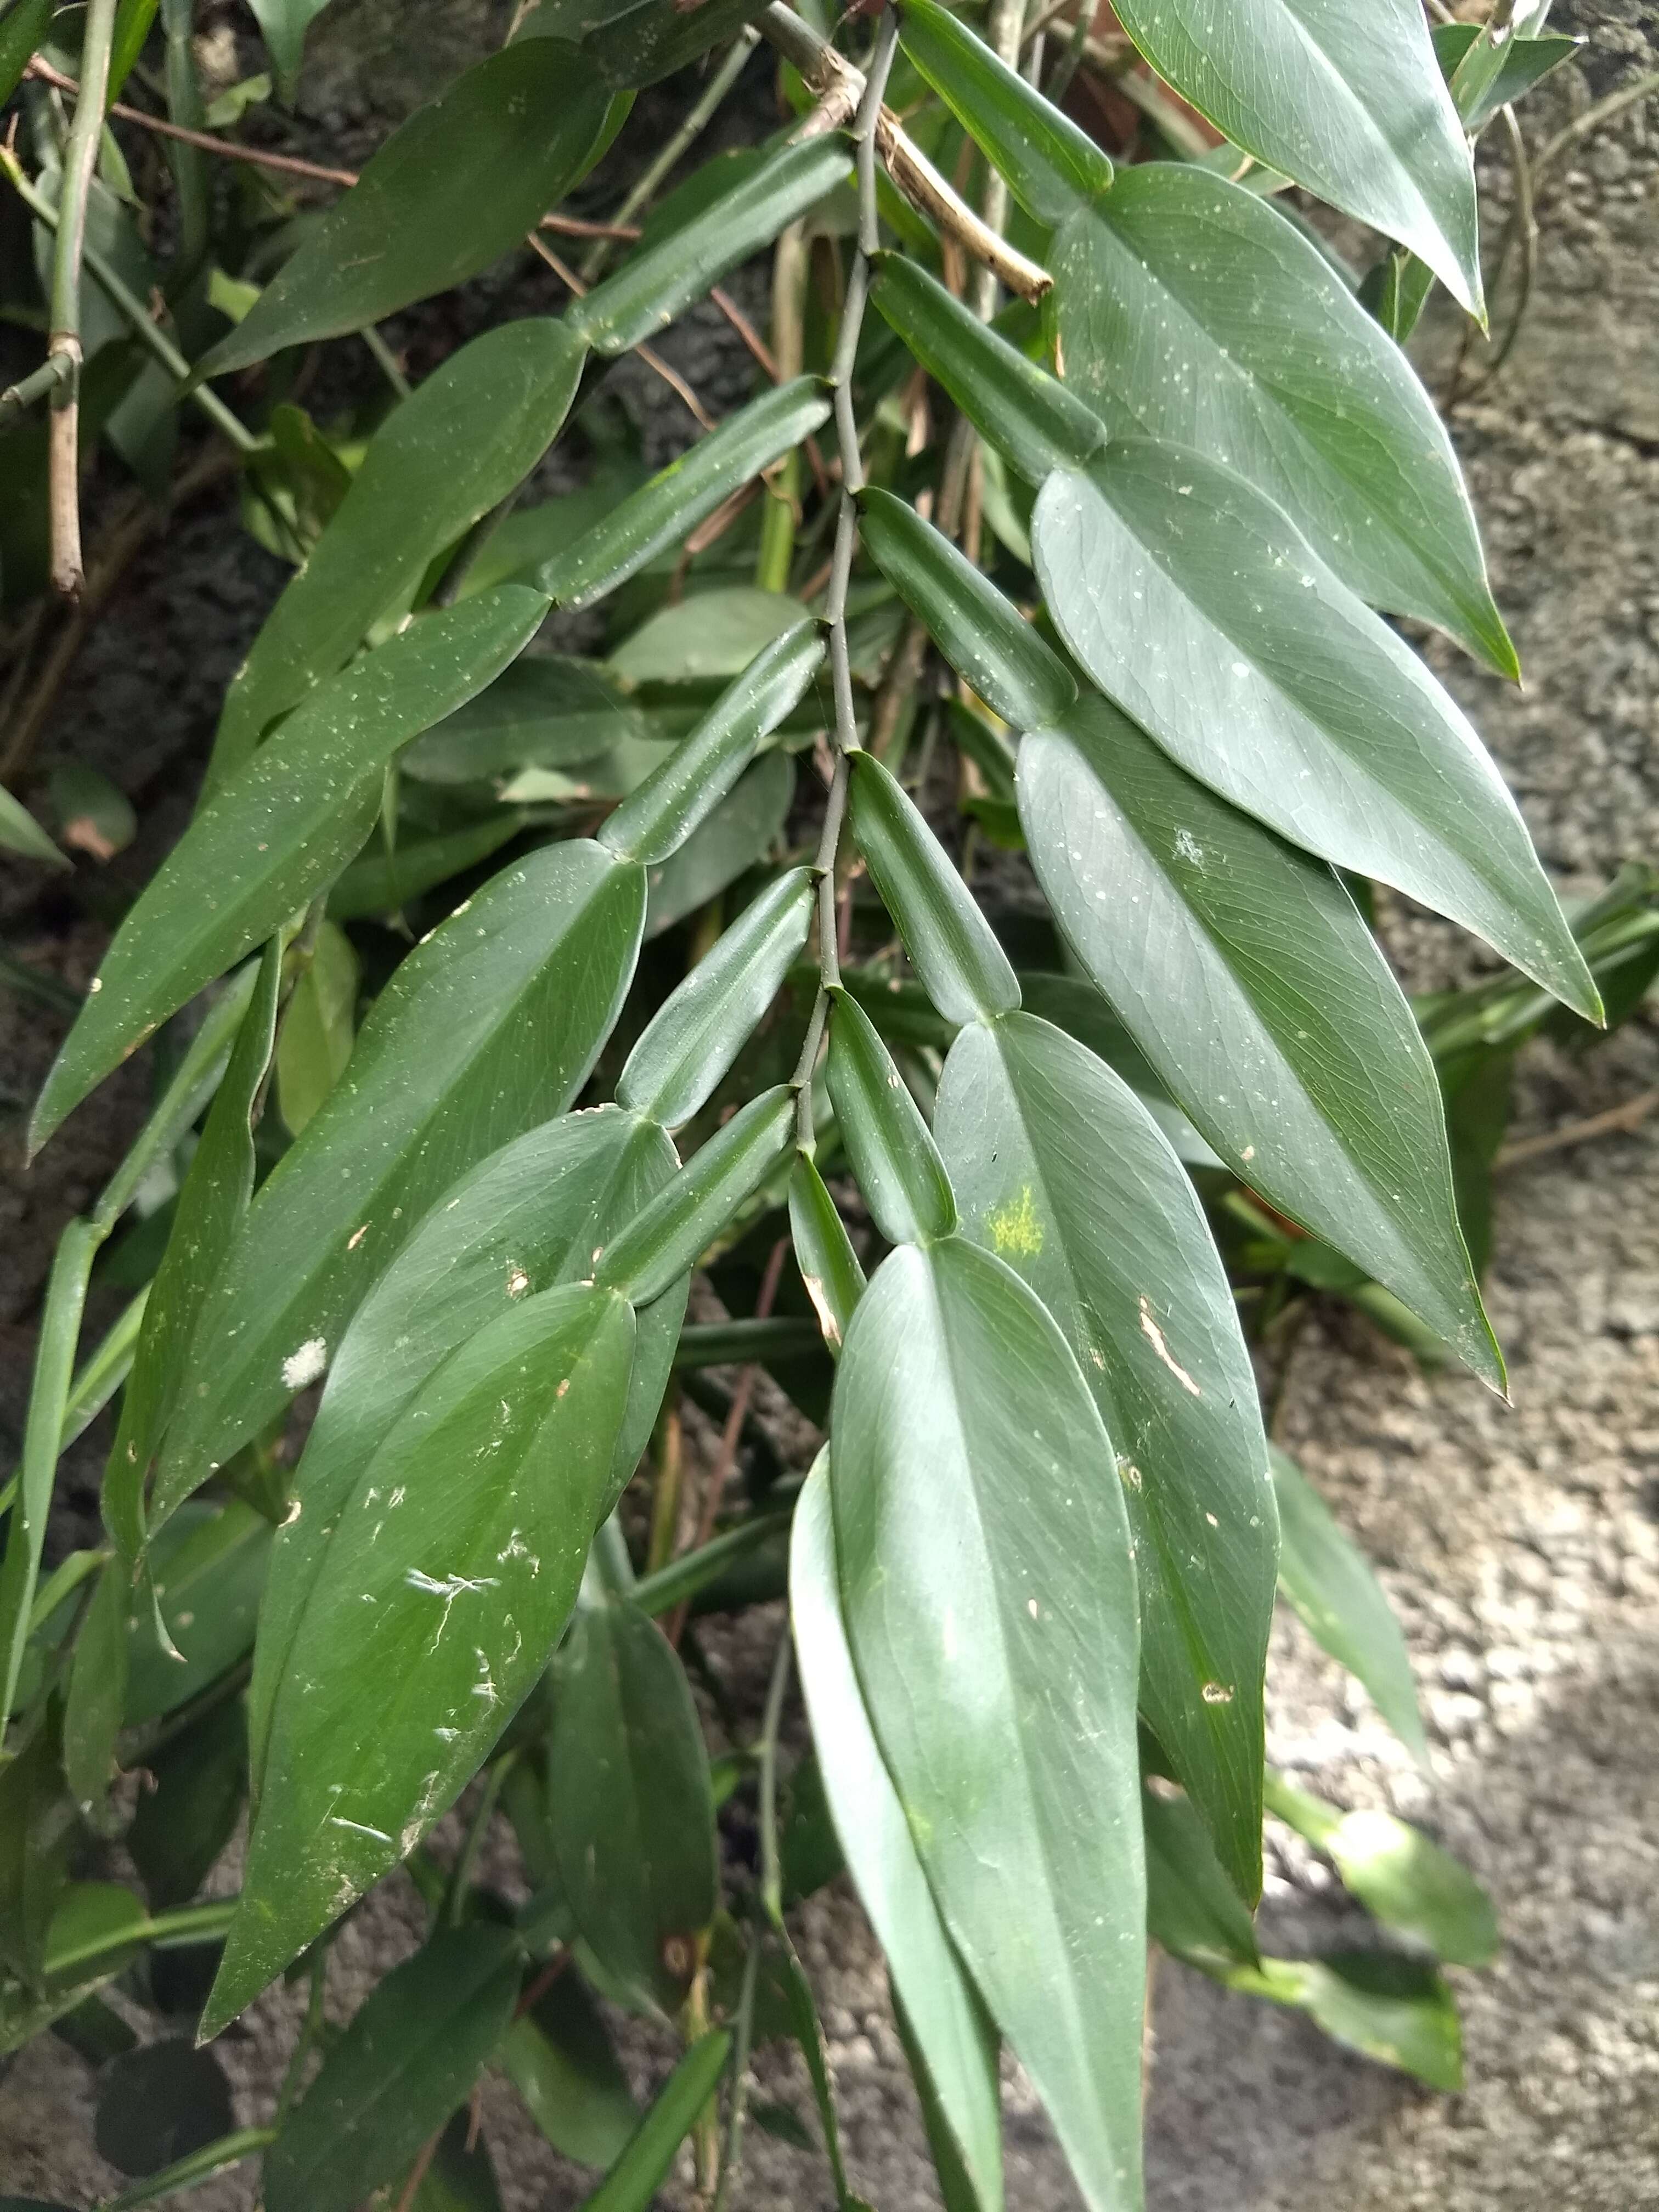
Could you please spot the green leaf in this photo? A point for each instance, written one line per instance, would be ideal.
(1520, 64)
(1193, 1907)
(22, 31)
(659, 282)
(1260, 997)
(712, 634)
(630, 1803)
(892, 1154)
(449, 192)
(454, 448)
(317, 1031)
(38, 1832)
(185, 1820)
(277, 832)
(1330, 1585)
(1350, 103)
(982, 637)
(559, 2058)
(1191, 312)
(84, 1948)
(1252, 665)
(1395, 2009)
(283, 24)
(632, 2183)
(208, 1568)
(828, 1266)
(212, 1203)
(666, 511)
(410, 2056)
(952, 948)
(461, 2177)
(1402, 1877)
(21, 832)
(449, 1596)
(384, 883)
(1052, 167)
(523, 1221)
(94, 814)
(736, 834)
(946, 2019)
(1059, 1170)
(1028, 416)
(97, 1692)
(547, 710)
(700, 1028)
(1073, 1005)
(547, 950)
(669, 1235)
(159, 2103)
(655, 820)
(990, 1605)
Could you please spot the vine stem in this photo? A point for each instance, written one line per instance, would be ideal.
(63, 338)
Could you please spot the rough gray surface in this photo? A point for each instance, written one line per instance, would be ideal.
(1521, 1544)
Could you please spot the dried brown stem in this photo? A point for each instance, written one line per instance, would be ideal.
(652, 360)
(1615, 1120)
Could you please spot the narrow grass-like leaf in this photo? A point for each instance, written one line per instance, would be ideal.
(384, 883)
(1189, 310)
(989, 1602)
(1197, 607)
(668, 1235)
(277, 832)
(1030, 417)
(829, 1265)
(1052, 167)
(529, 1218)
(1193, 1908)
(630, 1806)
(667, 509)
(1060, 1170)
(457, 446)
(946, 2017)
(700, 1028)
(1333, 1588)
(952, 948)
(892, 1153)
(659, 282)
(449, 192)
(632, 2183)
(21, 832)
(1350, 103)
(1386, 2007)
(1509, 69)
(1243, 972)
(410, 2056)
(982, 637)
(545, 951)
(448, 1595)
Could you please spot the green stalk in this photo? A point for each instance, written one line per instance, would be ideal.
(64, 338)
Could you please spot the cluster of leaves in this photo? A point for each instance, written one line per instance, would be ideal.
(1069, 1141)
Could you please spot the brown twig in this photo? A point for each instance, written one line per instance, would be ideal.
(1616, 1119)
(746, 330)
(736, 1417)
(411, 2188)
(542, 1983)
(652, 360)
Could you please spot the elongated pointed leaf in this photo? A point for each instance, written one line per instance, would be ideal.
(632, 2183)
(700, 1028)
(384, 883)
(449, 192)
(188, 1812)
(828, 1266)
(1193, 1909)
(529, 1218)
(1052, 167)
(1505, 73)
(446, 1595)
(1242, 969)
(559, 2058)
(990, 1606)
(21, 832)
(212, 1204)
(1060, 1170)
(1030, 418)
(208, 1568)
(952, 947)
(946, 2017)
(439, 1077)
(1333, 1588)
(737, 835)
(893, 1154)
(1387, 2007)
(1196, 606)
(653, 823)
(410, 2056)
(1190, 311)
(982, 637)
(1348, 101)
(669, 1235)
(630, 1806)
(277, 832)
(457, 446)
(658, 283)
(667, 509)
(547, 710)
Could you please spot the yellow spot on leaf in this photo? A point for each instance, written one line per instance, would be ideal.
(1016, 1231)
